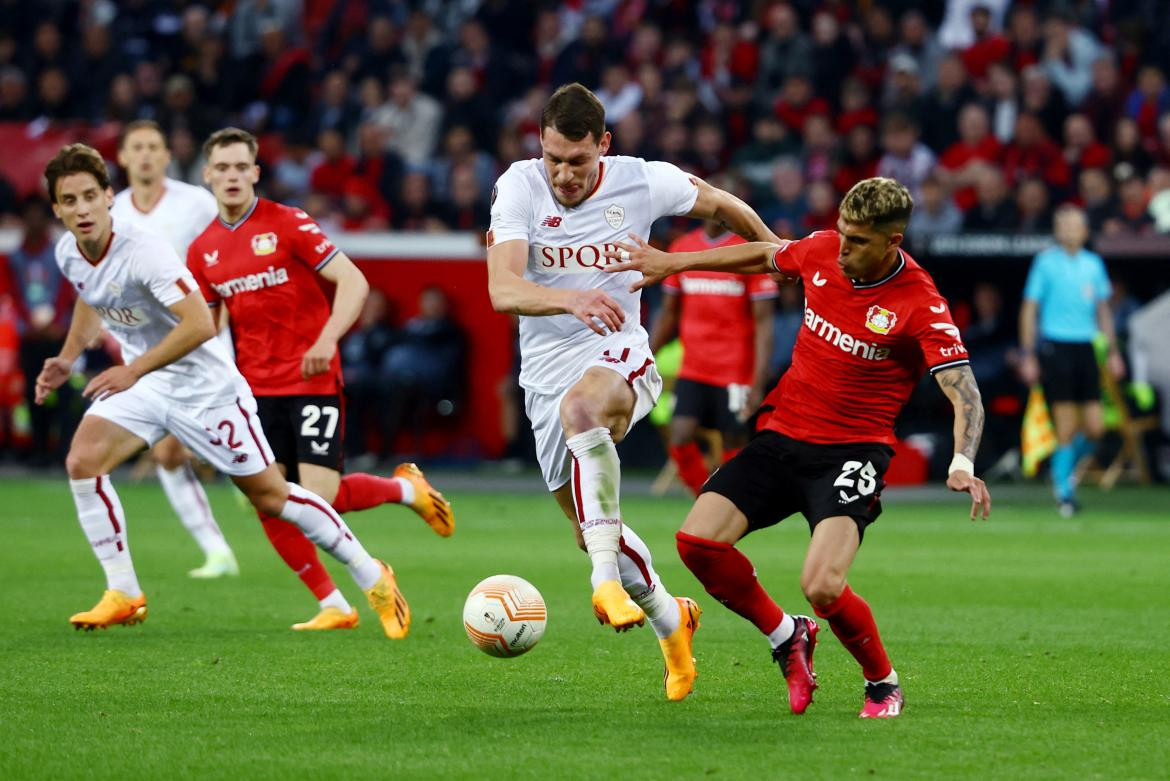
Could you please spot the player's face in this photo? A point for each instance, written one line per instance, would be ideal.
(232, 173)
(84, 206)
(864, 251)
(144, 156)
(572, 166)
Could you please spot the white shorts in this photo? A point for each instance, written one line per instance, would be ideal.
(635, 364)
(228, 437)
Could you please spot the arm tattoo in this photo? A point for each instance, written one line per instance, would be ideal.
(959, 386)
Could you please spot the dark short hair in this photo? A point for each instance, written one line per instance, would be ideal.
(575, 112)
(228, 136)
(141, 124)
(75, 159)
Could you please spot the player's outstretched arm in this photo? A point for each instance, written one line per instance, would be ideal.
(348, 297)
(195, 327)
(636, 255)
(510, 292)
(83, 329)
(731, 212)
(959, 386)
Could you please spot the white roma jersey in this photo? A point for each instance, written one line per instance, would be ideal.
(565, 247)
(180, 215)
(131, 286)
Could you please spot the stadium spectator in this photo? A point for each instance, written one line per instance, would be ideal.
(1034, 153)
(1024, 36)
(918, 41)
(1130, 214)
(468, 207)
(415, 209)
(1003, 101)
(468, 107)
(1033, 210)
(1066, 303)
(993, 210)
(584, 58)
(378, 168)
(1095, 192)
(335, 167)
(784, 51)
(361, 352)
(44, 305)
(97, 64)
(14, 102)
(935, 214)
(413, 119)
(187, 158)
(784, 211)
(1037, 97)
(1130, 156)
(859, 159)
(833, 55)
(962, 160)
(619, 93)
(1149, 100)
(822, 207)
(1106, 98)
(958, 27)
(904, 94)
(379, 53)
(770, 142)
(53, 99)
(944, 102)
(1159, 188)
(988, 45)
(422, 51)
(1081, 148)
(905, 158)
(820, 147)
(856, 106)
(422, 374)
(1069, 54)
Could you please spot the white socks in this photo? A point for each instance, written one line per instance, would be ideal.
(596, 482)
(324, 527)
(336, 599)
(891, 678)
(644, 586)
(100, 512)
(189, 500)
(408, 493)
(778, 636)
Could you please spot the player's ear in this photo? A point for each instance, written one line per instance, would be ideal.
(109, 197)
(207, 175)
(606, 138)
(896, 239)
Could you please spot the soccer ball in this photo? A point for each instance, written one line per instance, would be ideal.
(504, 616)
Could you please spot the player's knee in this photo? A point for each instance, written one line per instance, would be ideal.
(267, 502)
(822, 588)
(579, 413)
(82, 462)
(170, 456)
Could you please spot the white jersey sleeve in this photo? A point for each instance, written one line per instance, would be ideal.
(672, 190)
(159, 268)
(511, 208)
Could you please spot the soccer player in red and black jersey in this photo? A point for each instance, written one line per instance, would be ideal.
(261, 261)
(725, 323)
(873, 322)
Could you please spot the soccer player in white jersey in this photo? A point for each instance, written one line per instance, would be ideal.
(586, 367)
(178, 212)
(176, 378)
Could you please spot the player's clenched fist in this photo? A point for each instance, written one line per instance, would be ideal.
(316, 359)
(591, 306)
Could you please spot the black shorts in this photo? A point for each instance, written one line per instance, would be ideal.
(706, 403)
(776, 476)
(304, 430)
(1068, 372)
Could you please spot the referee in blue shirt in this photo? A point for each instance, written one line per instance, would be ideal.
(1069, 290)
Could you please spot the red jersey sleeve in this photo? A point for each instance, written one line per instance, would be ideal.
(791, 257)
(309, 243)
(938, 336)
(195, 266)
(760, 286)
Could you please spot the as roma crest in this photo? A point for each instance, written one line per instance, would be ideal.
(264, 243)
(615, 216)
(880, 320)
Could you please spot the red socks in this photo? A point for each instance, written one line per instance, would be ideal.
(852, 622)
(691, 466)
(729, 576)
(300, 554)
(361, 491)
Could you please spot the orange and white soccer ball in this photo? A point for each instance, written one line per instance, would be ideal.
(504, 616)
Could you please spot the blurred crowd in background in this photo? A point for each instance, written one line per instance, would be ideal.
(400, 114)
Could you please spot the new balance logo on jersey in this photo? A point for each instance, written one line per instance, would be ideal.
(712, 287)
(270, 278)
(845, 342)
(550, 222)
(211, 258)
(240, 458)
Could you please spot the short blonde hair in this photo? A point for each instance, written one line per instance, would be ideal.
(878, 203)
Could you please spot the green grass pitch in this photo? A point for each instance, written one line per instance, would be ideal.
(1028, 646)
